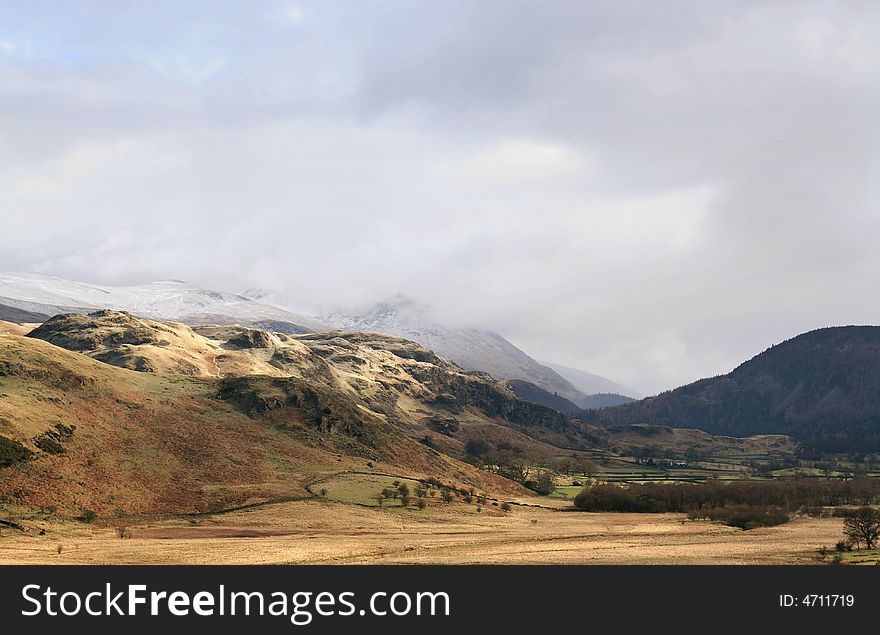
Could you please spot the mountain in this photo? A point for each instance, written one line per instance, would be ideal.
(470, 348)
(821, 387)
(165, 300)
(591, 384)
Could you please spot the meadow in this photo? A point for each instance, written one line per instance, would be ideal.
(344, 524)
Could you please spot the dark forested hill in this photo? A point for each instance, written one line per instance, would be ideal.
(822, 387)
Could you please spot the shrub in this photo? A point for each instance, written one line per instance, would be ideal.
(505, 507)
(12, 452)
(476, 447)
(88, 515)
(51, 441)
(746, 517)
(421, 503)
(48, 444)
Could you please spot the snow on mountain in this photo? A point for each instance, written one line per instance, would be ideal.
(470, 348)
(165, 300)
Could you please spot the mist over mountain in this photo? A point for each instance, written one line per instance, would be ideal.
(591, 384)
(821, 387)
(470, 348)
(32, 297)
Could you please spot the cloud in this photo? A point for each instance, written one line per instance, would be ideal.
(294, 13)
(651, 192)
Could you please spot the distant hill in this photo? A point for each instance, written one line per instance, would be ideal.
(591, 384)
(822, 387)
(20, 316)
(603, 400)
(531, 392)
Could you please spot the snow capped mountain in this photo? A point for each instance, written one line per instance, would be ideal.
(165, 300)
(32, 297)
(472, 349)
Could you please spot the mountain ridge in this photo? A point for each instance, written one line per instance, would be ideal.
(821, 387)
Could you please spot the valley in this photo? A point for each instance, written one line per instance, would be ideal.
(127, 439)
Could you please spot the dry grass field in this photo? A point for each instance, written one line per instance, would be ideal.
(328, 532)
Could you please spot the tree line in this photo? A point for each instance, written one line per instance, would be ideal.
(687, 497)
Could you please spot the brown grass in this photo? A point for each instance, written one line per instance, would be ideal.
(325, 532)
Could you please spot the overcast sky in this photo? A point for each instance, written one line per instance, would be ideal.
(651, 191)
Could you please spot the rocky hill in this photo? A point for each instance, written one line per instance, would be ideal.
(111, 413)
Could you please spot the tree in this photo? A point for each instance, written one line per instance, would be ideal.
(403, 489)
(863, 526)
(447, 496)
(544, 483)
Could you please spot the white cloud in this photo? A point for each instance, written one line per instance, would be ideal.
(294, 13)
(653, 195)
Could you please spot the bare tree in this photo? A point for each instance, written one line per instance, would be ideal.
(863, 526)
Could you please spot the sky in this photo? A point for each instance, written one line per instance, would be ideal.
(649, 191)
